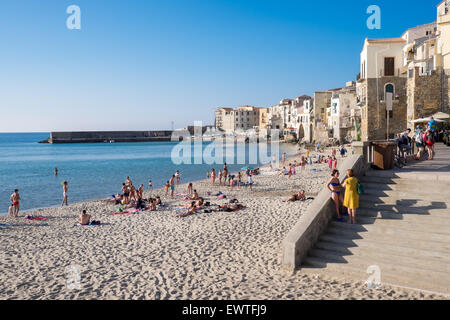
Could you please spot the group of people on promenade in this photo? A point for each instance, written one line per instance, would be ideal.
(424, 138)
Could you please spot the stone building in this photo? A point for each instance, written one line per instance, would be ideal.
(381, 65)
(322, 99)
(443, 31)
(242, 119)
(224, 119)
(341, 122)
(263, 118)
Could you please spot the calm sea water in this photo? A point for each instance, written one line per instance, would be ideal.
(92, 170)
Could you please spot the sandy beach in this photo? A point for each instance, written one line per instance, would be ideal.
(154, 255)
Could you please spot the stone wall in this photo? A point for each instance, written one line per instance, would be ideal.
(447, 92)
(101, 136)
(374, 122)
(424, 94)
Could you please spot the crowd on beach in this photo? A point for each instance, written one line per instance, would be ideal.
(132, 200)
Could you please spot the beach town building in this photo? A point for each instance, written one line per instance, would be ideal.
(241, 119)
(322, 99)
(263, 118)
(342, 122)
(443, 30)
(381, 73)
(225, 119)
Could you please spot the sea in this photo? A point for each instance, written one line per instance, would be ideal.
(93, 170)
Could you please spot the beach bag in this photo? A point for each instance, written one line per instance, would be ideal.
(360, 188)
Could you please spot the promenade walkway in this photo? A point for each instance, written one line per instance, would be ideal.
(403, 230)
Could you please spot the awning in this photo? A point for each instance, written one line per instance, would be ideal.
(425, 120)
(441, 116)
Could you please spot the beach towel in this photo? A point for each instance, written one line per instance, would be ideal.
(31, 218)
(119, 213)
(4, 225)
(88, 225)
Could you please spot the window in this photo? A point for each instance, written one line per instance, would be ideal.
(389, 67)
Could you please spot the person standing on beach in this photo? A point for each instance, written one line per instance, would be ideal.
(283, 158)
(334, 163)
(225, 171)
(213, 176)
(126, 192)
(172, 186)
(351, 199)
(150, 185)
(250, 181)
(56, 172)
(220, 178)
(141, 191)
(65, 193)
(15, 204)
(128, 182)
(178, 176)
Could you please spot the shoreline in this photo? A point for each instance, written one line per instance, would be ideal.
(100, 198)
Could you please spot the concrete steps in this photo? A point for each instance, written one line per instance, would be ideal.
(403, 228)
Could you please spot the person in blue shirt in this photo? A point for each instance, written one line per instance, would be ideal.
(432, 125)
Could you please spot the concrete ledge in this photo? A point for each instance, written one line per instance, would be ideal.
(307, 231)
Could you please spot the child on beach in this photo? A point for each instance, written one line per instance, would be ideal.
(65, 193)
(250, 182)
(150, 185)
(166, 187)
(334, 163)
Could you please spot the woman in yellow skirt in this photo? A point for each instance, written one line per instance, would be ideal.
(351, 199)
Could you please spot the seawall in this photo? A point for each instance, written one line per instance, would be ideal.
(108, 136)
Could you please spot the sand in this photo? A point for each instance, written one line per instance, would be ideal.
(154, 255)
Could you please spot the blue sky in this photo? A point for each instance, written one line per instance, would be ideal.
(140, 64)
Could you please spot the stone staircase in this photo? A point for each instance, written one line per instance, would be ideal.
(403, 228)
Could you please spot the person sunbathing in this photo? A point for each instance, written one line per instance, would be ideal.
(297, 197)
(191, 209)
(85, 219)
(200, 202)
(193, 197)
